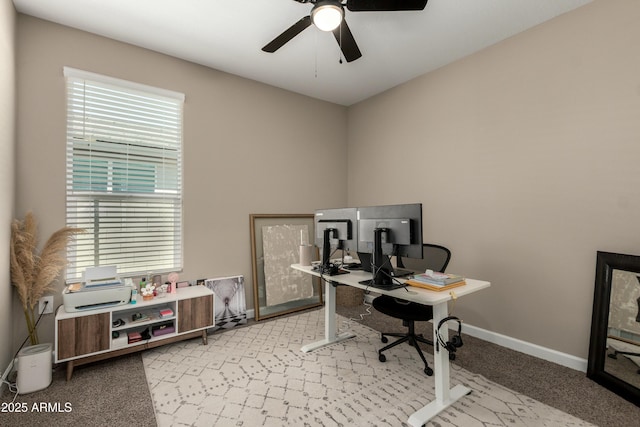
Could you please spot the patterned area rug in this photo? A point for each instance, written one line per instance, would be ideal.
(257, 376)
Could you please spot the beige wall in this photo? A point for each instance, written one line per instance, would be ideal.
(525, 157)
(248, 147)
(7, 157)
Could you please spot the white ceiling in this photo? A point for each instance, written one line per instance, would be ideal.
(228, 35)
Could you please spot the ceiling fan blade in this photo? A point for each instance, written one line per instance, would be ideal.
(288, 34)
(347, 43)
(385, 5)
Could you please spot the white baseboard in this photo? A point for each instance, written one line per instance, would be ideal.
(534, 350)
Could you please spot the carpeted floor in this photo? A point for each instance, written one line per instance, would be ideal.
(111, 393)
(258, 376)
(563, 388)
(115, 392)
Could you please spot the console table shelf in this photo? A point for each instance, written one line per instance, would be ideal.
(86, 336)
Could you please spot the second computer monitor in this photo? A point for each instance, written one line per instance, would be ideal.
(399, 226)
(338, 227)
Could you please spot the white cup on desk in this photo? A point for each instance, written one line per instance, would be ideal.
(306, 252)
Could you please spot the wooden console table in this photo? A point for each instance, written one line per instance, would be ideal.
(87, 336)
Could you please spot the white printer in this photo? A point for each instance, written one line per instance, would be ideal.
(101, 287)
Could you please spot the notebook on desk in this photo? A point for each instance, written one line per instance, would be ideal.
(365, 260)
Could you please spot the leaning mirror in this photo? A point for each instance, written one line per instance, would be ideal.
(614, 349)
(275, 245)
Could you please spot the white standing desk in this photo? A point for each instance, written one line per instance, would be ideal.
(445, 395)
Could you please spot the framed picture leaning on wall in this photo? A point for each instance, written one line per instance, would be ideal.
(230, 309)
(275, 245)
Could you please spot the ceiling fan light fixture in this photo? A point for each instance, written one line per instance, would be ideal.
(327, 15)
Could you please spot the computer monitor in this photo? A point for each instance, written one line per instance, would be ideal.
(390, 230)
(336, 229)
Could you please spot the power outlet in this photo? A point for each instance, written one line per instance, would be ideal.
(48, 308)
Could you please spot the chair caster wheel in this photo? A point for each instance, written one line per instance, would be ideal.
(384, 339)
(428, 371)
(382, 357)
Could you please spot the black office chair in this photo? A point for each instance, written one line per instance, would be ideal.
(435, 258)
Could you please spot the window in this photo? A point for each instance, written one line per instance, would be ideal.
(124, 175)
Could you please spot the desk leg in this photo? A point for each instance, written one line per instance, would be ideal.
(445, 396)
(330, 336)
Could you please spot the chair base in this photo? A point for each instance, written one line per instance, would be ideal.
(410, 337)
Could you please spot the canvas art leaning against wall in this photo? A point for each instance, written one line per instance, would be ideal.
(230, 305)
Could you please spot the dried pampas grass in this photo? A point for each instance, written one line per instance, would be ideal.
(34, 274)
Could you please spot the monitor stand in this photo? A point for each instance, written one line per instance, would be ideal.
(385, 285)
(327, 267)
(380, 268)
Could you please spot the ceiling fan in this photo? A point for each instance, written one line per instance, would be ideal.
(328, 15)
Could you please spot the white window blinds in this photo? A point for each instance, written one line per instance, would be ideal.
(124, 175)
